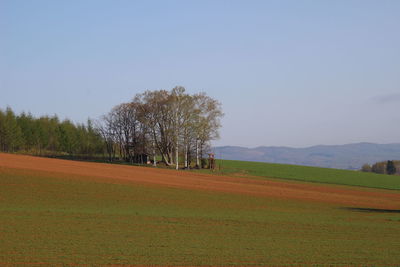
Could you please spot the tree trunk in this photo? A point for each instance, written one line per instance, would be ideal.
(154, 155)
(177, 153)
(201, 155)
(186, 156)
(197, 153)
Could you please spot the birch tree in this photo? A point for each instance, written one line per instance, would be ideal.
(165, 123)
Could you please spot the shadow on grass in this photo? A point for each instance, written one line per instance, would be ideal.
(371, 210)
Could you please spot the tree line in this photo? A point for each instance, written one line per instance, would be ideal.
(169, 127)
(47, 135)
(390, 167)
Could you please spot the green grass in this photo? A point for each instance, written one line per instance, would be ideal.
(308, 174)
(54, 219)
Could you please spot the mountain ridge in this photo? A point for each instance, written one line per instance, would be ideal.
(347, 156)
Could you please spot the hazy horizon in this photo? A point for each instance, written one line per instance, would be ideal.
(300, 147)
(288, 73)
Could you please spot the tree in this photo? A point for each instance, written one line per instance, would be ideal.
(181, 111)
(94, 140)
(207, 124)
(379, 168)
(366, 168)
(47, 135)
(164, 123)
(2, 130)
(390, 167)
(106, 130)
(26, 123)
(159, 118)
(11, 138)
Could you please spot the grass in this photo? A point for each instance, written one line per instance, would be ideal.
(57, 219)
(308, 174)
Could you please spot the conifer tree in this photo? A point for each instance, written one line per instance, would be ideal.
(390, 167)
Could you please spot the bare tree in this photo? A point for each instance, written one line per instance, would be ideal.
(159, 118)
(106, 129)
(164, 122)
(207, 123)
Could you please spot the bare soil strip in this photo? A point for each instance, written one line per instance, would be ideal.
(338, 195)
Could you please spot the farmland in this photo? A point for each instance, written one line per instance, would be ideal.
(308, 174)
(65, 212)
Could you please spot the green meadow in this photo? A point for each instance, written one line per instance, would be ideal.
(307, 174)
(53, 219)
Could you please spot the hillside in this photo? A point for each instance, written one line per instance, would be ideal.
(308, 174)
(58, 212)
(350, 156)
(192, 180)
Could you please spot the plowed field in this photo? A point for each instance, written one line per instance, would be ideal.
(349, 196)
(58, 212)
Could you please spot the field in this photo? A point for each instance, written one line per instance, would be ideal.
(78, 213)
(309, 174)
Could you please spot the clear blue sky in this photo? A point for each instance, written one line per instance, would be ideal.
(292, 73)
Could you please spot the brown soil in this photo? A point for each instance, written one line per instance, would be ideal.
(342, 195)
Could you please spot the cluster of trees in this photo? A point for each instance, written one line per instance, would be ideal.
(172, 126)
(47, 135)
(384, 167)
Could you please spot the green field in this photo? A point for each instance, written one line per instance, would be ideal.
(307, 174)
(58, 219)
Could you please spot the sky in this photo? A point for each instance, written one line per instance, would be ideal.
(288, 73)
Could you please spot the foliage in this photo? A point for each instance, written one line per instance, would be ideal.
(10, 132)
(47, 135)
(366, 168)
(390, 167)
(379, 167)
(385, 167)
(162, 123)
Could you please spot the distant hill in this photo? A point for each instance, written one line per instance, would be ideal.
(350, 156)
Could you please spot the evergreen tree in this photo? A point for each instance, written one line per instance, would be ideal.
(11, 138)
(26, 124)
(390, 168)
(2, 130)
